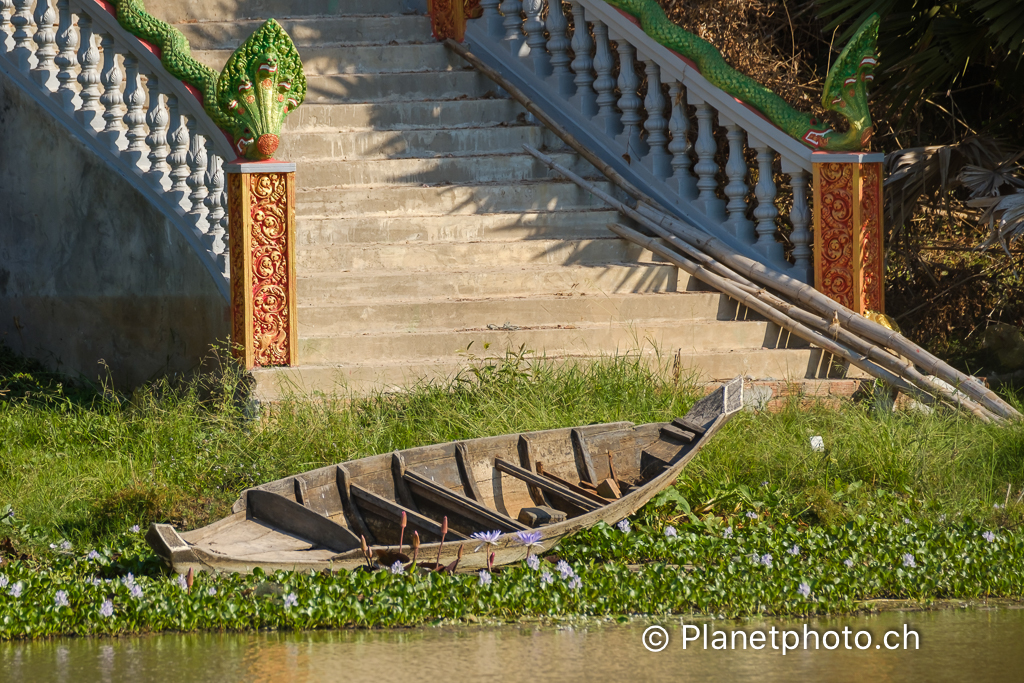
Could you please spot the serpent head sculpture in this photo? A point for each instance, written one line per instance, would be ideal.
(261, 84)
(845, 86)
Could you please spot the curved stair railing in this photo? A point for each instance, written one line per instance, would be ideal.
(110, 90)
(648, 138)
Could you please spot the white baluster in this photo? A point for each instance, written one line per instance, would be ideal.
(197, 177)
(22, 21)
(216, 201)
(6, 29)
(679, 125)
(629, 103)
(656, 124)
(178, 158)
(558, 48)
(604, 63)
(67, 58)
(585, 98)
(135, 116)
(513, 24)
(737, 188)
(492, 18)
(111, 97)
(89, 77)
(706, 168)
(765, 212)
(536, 46)
(801, 217)
(45, 72)
(156, 119)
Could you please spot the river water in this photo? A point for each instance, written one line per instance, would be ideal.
(954, 645)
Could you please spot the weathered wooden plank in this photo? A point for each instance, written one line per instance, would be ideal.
(527, 463)
(390, 510)
(688, 425)
(546, 485)
(402, 491)
(575, 488)
(466, 472)
(487, 519)
(293, 518)
(301, 491)
(352, 514)
(678, 434)
(581, 453)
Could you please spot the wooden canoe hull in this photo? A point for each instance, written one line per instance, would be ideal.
(312, 522)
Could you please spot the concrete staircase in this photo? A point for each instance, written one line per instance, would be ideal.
(428, 237)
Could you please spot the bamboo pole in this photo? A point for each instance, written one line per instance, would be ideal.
(920, 389)
(755, 272)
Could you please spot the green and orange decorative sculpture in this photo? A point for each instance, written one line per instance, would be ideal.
(261, 84)
(845, 86)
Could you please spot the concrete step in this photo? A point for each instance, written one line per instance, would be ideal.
(361, 59)
(566, 339)
(352, 30)
(180, 11)
(436, 114)
(429, 256)
(334, 288)
(398, 87)
(425, 142)
(399, 317)
(575, 224)
(489, 168)
(416, 200)
(364, 378)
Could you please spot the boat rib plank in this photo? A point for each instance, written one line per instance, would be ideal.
(463, 506)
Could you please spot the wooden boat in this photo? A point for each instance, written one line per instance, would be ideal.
(556, 481)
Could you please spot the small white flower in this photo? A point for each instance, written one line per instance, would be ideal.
(135, 591)
(565, 570)
(107, 609)
(575, 583)
(804, 589)
(93, 555)
(15, 590)
(60, 599)
(134, 529)
(533, 562)
(65, 545)
(546, 578)
(624, 526)
(908, 561)
(397, 567)
(670, 532)
(848, 562)
(727, 533)
(485, 577)
(211, 591)
(989, 536)
(291, 600)
(182, 584)
(795, 550)
(766, 560)
(751, 515)
(4, 581)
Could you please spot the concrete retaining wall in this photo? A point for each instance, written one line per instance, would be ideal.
(89, 270)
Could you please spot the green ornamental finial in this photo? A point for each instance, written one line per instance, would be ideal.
(261, 83)
(845, 87)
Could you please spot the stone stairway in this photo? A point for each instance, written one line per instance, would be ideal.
(427, 236)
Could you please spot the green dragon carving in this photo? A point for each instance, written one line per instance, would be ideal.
(262, 82)
(845, 86)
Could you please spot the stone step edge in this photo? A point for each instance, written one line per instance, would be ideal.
(472, 125)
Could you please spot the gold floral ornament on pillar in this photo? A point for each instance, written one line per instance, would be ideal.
(261, 84)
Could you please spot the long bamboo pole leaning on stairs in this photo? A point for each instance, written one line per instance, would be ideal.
(648, 212)
(880, 357)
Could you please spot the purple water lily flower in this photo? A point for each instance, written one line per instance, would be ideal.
(795, 550)
(565, 570)
(488, 538)
(575, 583)
(989, 536)
(624, 526)
(182, 583)
(4, 581)
(61, 599)
(751, 515)
(848, 562)
(670, 531)
(533, 562)
(546, 578)
(134, 529)
(397, 568)
(485, 577)
(135, 591)
(531, 539)
(93, 555)
(15, 590)
(804, 589)
(727, 533)
(107, 609)
(766, 560)
(211, 591)
(908, 561)
(291, 600)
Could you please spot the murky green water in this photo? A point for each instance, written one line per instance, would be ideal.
(955, 645)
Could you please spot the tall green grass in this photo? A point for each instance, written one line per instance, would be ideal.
(87, 463)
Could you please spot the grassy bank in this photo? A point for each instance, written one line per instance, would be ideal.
(759, 523)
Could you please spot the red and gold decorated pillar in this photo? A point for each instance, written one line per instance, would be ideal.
(849, 263)
(261, 210)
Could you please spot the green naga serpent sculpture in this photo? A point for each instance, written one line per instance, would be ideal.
(262, 81)
(845, 86)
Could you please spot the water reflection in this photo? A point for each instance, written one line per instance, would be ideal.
(975, 645)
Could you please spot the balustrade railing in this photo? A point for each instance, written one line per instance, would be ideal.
(110, 90)
(650, 114)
